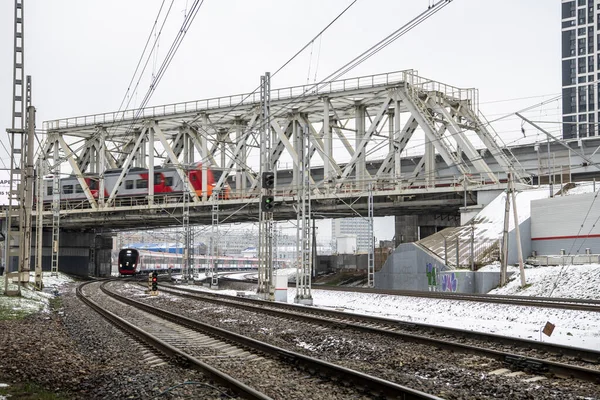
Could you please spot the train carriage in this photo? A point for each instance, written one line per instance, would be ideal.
(167, 181)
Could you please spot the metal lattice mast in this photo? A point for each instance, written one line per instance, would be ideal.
(303, 271)
(266, 288)
(39, 221)
(17, 137)
(26, 193)
(56, 212)
(371, 266)
(214, 240)
(186, 230)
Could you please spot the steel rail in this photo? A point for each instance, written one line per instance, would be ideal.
(238, 387)
(371, 384)
(546, 302)
(340, 319)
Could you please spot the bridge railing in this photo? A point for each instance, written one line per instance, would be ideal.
(116, 117)
(385, 184)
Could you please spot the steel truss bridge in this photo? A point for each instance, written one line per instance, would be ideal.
(366, 114)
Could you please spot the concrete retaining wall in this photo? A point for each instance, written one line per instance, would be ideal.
(410, 268)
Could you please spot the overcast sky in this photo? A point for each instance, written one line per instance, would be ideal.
(82, 54)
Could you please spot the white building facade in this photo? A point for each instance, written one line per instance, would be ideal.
(580, 67)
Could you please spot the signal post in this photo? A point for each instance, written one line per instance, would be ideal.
(266, 287)
(153, 283)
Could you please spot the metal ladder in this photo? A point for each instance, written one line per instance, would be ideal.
(186, 230)
(214, 239)
(17, 138)
(56, 218)
(371, 261)
(304, 269)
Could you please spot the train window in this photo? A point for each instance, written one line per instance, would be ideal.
(141, 184)
(68, 189)
(129, 184)
(157, 178)
(49, 191)
(193, 177)
(168, 181)
(78, 188)
(93, 184)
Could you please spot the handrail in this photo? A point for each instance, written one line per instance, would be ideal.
(364, 82)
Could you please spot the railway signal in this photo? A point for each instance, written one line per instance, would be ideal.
(268, 180)
(268, 202)
(154, 289)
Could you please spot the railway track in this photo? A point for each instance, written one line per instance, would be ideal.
(581, 359)
(546, 302)
(203, 346)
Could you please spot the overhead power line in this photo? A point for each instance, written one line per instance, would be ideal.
(144, 52)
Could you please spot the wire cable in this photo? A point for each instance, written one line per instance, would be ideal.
(144, 51)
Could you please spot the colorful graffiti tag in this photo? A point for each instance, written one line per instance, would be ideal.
(449, 282)
(431, 276)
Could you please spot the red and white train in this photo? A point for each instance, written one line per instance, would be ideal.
(135, 183)
(134, 261)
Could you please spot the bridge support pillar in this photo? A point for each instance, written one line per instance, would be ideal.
(79, 253)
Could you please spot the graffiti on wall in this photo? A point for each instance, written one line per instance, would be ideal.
(449, 282)
(431, 276)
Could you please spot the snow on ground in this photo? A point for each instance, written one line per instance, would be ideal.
(573, 328)
(31, 300)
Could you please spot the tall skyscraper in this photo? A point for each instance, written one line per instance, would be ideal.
(580, 67)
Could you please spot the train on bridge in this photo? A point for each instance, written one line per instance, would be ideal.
(167, 181)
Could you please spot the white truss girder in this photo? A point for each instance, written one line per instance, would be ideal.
(350, 123)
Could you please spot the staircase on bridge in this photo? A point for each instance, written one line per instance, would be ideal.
(464, 246)
(477, 243)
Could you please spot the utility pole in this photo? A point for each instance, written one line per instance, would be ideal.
(187, 235)
(39, 222)
(371, 256)
(517, 230)
(16, 250)
(266, 287)
(214, 241)
(510, 194)
(303, 269)
(504, 254)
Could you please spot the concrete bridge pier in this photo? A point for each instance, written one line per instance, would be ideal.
(80, 253)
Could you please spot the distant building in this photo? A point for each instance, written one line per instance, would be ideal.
(358, 227)
(580, 68)
(345, 244)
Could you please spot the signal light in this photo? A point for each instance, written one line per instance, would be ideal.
(268, 202)
(154, 281)
(268, 180)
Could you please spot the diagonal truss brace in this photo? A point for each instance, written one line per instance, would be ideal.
(361, 149)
